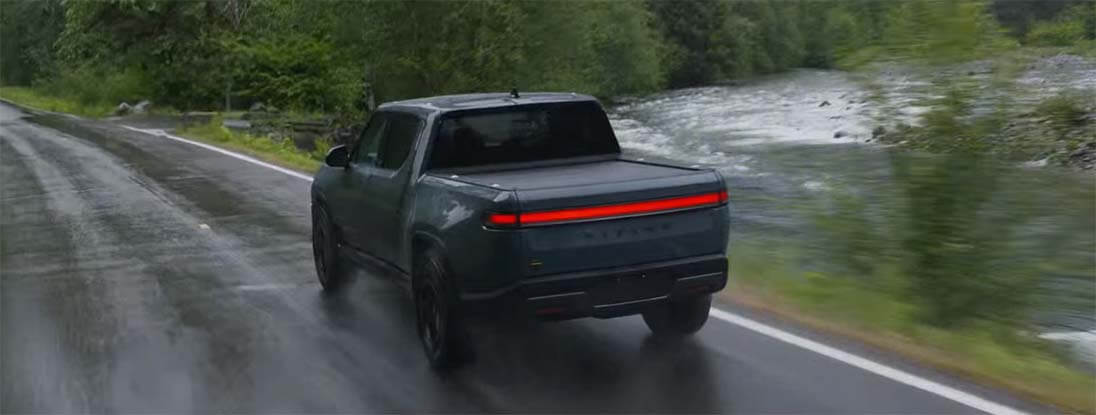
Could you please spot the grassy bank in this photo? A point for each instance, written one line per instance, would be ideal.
(873, 310)
(43, 101)
(282, 153)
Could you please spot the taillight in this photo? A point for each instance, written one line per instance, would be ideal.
(509, 220)
(502, 220)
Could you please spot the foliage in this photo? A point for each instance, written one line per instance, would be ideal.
(875, 309)
(943, 31)
(98, 86)
(1018, 16)
(278, 152)
(289, 71)
(933, 243)
(173, 43)
(28, 30)
(959, 266)
(1070, 27)
(712, 40)
(1063, 111)
(36, 99)
(290, 53)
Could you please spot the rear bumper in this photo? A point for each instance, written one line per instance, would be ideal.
(603, 293)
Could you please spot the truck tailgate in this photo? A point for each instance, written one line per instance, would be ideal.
(617, 240)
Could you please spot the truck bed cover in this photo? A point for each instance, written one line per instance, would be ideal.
(574, 175)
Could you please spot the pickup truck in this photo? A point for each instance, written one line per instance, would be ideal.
(508, 204)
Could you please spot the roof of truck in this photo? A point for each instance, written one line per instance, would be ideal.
(445, 103)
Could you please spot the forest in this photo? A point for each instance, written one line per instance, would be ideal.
(320, 56)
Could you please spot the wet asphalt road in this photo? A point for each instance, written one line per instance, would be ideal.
(142, 275)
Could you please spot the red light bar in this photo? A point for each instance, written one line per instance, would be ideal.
(503, 219)
(510, 220)
(623, 209)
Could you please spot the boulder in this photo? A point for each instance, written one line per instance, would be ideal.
(840, 133)
(142, 107)
(122, 109)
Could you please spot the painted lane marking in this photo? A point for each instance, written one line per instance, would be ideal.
(866, 364)
(249, 159)
(267, 287)
(871, 366)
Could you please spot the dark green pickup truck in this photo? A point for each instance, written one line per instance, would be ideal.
(500, 204)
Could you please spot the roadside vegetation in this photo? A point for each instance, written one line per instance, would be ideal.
(926, 274)
(281, 152)
(37, 99)
(933, 268)
(879, 313)
(200, 55)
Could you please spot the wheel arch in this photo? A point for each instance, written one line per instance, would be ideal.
(423, 240)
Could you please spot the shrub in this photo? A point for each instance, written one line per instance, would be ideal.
(293, 71)
(1062, 111)
(1058, 33)
(1072, 26)
(91, 86)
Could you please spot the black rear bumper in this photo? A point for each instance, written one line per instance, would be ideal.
(604, 293)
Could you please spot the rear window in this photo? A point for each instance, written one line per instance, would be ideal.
(521, 134)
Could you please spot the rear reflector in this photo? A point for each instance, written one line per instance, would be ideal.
(607, 211)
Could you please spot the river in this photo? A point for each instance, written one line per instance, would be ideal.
(793, 146)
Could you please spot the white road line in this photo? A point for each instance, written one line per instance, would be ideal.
(880, 369)
(868, 365)
(267, 287)
(249, 159)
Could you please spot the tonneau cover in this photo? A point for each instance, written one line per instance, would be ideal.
(574, 175)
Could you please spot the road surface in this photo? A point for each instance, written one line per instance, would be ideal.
(145, 275)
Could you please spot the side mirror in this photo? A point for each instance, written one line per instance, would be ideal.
(337, 156)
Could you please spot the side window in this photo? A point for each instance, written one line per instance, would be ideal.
(370, 141)
(400, 136)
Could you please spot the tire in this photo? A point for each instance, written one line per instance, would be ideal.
(679, 318)
(438, 320)
(330, 268)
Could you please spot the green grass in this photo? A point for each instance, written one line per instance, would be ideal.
(873, 309)
(40, 100)
(1063, 110)
(282, 153)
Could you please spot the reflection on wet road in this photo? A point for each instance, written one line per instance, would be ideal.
(141, 275)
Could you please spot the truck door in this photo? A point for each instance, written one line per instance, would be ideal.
(389, 184)
(353, 191)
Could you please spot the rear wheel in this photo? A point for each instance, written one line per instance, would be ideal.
(680, 317)
(325, 251)
(440, 327)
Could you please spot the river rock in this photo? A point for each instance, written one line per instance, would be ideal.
(840, 133)
(142, 107)
(122, 109)
(1084, 157)
(878, 131)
